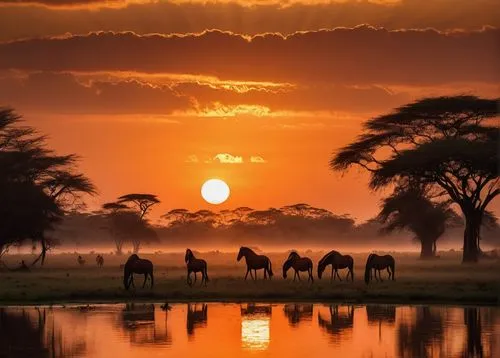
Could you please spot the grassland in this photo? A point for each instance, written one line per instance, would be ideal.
(444, 280)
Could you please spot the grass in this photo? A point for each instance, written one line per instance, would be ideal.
(439, 281)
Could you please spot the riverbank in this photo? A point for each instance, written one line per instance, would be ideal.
(443, 281)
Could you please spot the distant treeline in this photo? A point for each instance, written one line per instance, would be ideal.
(298, 225)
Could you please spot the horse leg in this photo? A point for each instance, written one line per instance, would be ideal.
(188, 278)
(332, 277)
(255, 274)
(194, 276)
(248, 270)
(337, 273)
(380, 275)
(389, 272)
(131, 280)
(145, 279)
(152, 279)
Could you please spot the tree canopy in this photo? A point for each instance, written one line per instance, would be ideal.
(36, 184)
(449, 144)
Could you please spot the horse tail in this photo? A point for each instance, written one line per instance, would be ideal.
(206, 273)
(270, 268)
(351, 268)
(367, 270)
(393, 268)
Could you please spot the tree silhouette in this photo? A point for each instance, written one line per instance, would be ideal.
(143, 202)
(445, 143)
(36, 185)
(410, 208)
(126, 224)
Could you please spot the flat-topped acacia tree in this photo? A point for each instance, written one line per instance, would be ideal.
(449, 144)
(132, 224)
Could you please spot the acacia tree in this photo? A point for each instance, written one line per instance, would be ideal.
(45, 184)
(445, 143)
(410, 208)
(113, 211)
(137, 228)
(143, 202)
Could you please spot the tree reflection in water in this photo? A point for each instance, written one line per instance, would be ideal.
(423, 336)
(34, 335)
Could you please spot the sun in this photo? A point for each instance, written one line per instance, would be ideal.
(215, 191)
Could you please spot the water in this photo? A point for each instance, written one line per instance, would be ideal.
(249, 330)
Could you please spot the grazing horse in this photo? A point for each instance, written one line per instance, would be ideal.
(338, 262)
(99, 260)
(195, 265)
(378, 263)
(133, 265)
(298, 264)
(81, 260)
(255, 262)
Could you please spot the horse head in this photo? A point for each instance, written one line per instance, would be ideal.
(368, 268)
(286, 267)
(243, 251)
(188, 256)
(293, 255)
(321, 268)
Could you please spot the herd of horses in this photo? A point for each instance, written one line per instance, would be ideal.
(374, 264)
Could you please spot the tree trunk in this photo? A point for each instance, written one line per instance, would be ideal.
(427, 249)
(137, 246)
(119, 245)
(471, 239)
(472, 320)
(42, 253)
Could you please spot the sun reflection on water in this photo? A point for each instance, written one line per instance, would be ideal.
(255, 332)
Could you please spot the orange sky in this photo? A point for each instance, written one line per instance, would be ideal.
(155, 101)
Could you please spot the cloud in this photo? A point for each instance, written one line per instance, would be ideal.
(253, 17)
(64, 93)
(192, 159)
(357, 56)
(257, 159)
(225, 158)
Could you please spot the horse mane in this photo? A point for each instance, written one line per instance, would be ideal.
(245, 248)
(189, 254)
(133, 257)
(293, 254)
(327, 256)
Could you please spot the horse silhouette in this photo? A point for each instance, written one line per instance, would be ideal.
(297, 312)
(195, 265)
(196, 317)
(99, 260)
(337, 323)
(338, 262)
(80, 260)
(298, 264)
(255, 262)
(137, 265)
(376, 263)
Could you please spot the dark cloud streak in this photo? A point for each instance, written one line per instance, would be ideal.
(362, 55)
(169, 17)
